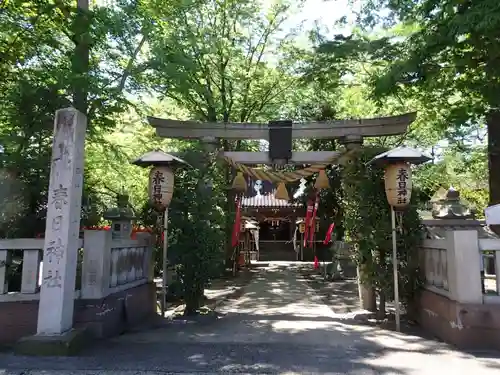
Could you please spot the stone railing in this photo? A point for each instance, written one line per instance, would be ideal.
(434, 258)
(30, 263)
(108, 266)
(127, 263)
(462, 266)
(461, 300)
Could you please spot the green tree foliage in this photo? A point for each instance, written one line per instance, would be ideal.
(440, 54)
(213, 58)
(466, 172)
(197, 239)
(43, 68)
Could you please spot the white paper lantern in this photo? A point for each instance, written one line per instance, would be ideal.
(161, 186)
(398, 184)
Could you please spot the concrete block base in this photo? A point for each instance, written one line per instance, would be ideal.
(66, 344)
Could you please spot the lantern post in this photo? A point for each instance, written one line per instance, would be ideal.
(398, 187)
(161, 187)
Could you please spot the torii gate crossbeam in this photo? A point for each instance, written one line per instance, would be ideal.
(375, 127)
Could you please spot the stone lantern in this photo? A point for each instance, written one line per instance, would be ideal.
(121, 217)
(449, 206)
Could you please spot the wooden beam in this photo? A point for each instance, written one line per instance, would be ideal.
(375, 127)
(298, 157)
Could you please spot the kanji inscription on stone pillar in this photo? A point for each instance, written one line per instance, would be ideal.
(55, 311)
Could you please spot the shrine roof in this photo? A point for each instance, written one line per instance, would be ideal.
(267, 200)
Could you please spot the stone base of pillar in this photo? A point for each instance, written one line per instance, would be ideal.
(67, 344)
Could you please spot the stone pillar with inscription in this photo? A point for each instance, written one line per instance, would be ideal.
(55, 311)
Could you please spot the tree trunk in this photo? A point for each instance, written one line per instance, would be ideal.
(381, 306)
(80, 61)
(382, 292)
(192, 297)
(367, 297)
(193, 303)
(493, 125)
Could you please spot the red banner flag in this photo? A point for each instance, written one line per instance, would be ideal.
(237, 223)
(328, 237)
(307, 223)
(312, 227)
(316, 262)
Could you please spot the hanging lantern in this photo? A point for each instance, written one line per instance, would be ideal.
(322, 181)
(281, 192)
(161, 186)
(398, 184)
(239, 183)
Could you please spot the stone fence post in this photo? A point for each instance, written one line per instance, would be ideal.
(146, 239)
(464, 265)
(96, 263)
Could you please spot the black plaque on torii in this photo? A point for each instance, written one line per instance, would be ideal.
(280, 141)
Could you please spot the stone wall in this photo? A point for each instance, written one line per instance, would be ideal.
(466, 325)
(18, 320)
(103, 317)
